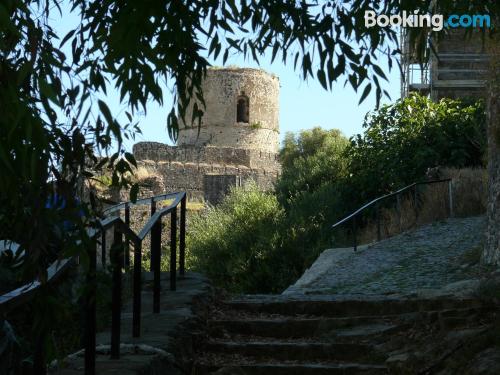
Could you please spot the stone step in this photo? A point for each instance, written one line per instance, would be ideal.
(296, 351)
(340, 308)
(354, 326)
(293, 369)
(297, 328)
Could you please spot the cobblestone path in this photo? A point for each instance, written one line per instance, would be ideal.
(435, 257)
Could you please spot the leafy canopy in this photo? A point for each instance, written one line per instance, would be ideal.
(309, 160)
(403, 140)
(235, 243)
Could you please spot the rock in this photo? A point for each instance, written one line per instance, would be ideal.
(486, 362)
(400, 363)
(231, 370)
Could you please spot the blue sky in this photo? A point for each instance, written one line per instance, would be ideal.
(303, 104)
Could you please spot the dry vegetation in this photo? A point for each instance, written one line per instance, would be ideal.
(469, 195)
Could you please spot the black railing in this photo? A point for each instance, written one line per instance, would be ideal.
(119, 257)
(376, 203)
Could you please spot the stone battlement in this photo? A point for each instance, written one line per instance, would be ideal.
(207, 155)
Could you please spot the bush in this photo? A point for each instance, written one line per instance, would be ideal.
(404, 139)
(233, 243)
(311, 159)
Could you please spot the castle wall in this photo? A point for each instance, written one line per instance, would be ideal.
(219, 126)
(250, 158)
(190, 177)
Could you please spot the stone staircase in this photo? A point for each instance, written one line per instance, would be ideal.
(326, 335)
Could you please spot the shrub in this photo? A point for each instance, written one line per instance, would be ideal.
(233, 243)
(403, 140)
(310, 159)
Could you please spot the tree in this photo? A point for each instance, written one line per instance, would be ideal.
(403, 140)
(310, 160)
(236, 243)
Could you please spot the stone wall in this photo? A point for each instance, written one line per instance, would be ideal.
(249, 158)
(189, 177)
(219, 126)
(216, 186)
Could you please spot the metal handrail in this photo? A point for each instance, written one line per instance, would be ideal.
(397, 193)
(121, 228)
(156, 198)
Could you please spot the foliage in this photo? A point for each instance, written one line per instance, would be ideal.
(8, 347)
(309, 160)
(310, 190)
(403, 140)
(234, 243)
(250, 244)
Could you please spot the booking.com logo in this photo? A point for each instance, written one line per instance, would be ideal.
(436, 21)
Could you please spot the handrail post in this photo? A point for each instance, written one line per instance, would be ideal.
(379, 234)
(398, 209)
(39, 361)
(156, 260)
(415, 203)
(116, 262)
(173, 248)
(127, 241)
(354, 230)
(450, 196)
(136, 313)
(90, 312)
(151, 252)
(103, 248)
(182, 239)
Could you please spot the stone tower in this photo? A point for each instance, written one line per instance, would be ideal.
(242, 111)
(238, 139)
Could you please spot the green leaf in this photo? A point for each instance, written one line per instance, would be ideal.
(47, 91)
(353, 81)
(322, 78)
(103, 107)
(67, 37)
(379, 71)
(275, 50)
(134, 191)
(131, 159)
(365, 93)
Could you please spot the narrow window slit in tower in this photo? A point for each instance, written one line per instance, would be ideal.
(242, 108)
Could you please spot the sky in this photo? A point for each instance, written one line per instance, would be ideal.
(303, 104)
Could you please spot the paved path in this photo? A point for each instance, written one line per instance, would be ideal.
(156, 350)
(434, 257)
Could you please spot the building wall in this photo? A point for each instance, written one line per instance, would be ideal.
(221, 90)
(461, 69)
